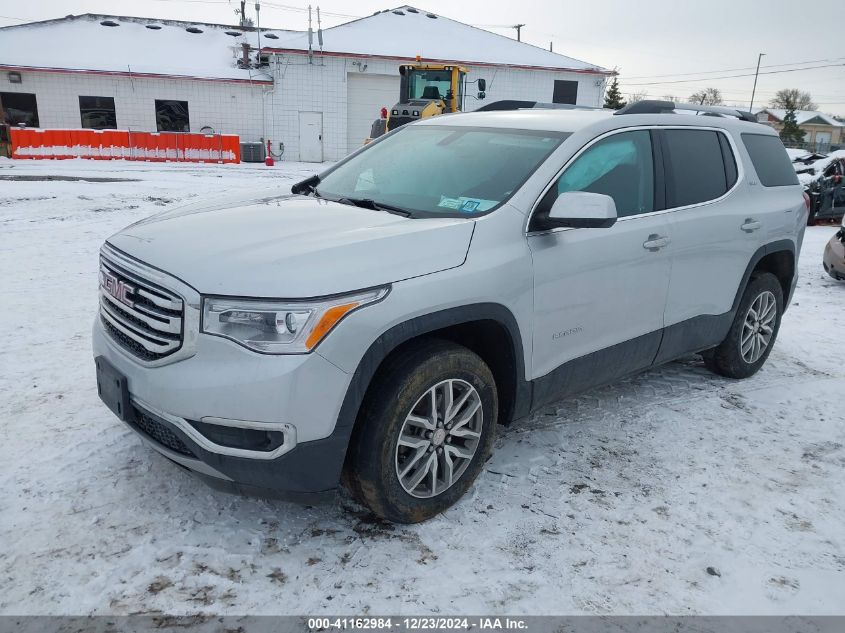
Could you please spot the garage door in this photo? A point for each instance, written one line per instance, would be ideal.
(366, 95)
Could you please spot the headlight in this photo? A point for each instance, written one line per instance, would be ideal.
(280, 327)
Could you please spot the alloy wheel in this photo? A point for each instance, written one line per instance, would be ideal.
(439, 438)
(758, 327)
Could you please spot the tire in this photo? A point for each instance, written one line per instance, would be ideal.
(380, 472)
(733, 358)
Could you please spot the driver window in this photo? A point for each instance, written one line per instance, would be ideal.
(619, 166)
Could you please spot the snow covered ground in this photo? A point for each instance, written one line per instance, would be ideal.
(672, 492)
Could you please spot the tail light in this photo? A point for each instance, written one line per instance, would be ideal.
(806, 201)
(384, 113)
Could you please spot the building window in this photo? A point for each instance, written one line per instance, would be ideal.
(172, 116)
(98, 113)
(20, 108)
(565, 92)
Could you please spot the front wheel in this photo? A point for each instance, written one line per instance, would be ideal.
(427, 427)
(753, 332)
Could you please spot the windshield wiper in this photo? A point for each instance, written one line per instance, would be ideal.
(369, 203)
(309, 185)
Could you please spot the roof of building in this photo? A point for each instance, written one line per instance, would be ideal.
(129, 45)
(803, 116)
(145, 46)
(406, 32)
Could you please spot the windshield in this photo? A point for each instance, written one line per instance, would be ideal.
(440, 170)
(438, 83)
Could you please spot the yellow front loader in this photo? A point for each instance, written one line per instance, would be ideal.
(426, 90)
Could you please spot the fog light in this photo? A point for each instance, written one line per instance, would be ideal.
(236, 437)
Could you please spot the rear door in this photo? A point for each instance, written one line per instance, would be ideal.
(714, 233)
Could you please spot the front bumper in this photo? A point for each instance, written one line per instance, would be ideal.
(227, 388)
(834, 256)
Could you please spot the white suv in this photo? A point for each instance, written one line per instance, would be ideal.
(454, 275)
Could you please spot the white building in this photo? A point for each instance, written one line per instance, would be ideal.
(147, 75)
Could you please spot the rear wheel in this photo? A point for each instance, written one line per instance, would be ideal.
(753, 332)
(427, 426)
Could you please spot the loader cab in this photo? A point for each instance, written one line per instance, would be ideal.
(444, 83)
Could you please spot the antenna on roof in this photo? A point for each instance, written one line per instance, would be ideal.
(258, 30)
(319, 31)
(310, 38)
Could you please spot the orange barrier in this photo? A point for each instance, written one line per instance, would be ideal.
(125, 144)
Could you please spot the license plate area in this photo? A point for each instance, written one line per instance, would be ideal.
(113, 388)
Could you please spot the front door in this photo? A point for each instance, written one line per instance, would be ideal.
(311, 137)
(599, 294)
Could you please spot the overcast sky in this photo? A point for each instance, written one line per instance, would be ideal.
(642, 39)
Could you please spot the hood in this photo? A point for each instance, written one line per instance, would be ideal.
(293, 247)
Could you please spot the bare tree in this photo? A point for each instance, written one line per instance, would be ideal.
(637, 96)
(707, 96)
(672, 98)
(793, 99)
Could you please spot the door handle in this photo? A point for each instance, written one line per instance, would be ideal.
(655, 242)
(750, 225)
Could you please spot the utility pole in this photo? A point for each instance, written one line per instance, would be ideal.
(754, 89)
(243, 13)
(518, 28)
(258, 29)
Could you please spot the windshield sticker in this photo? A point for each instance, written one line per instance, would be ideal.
(470, 205)
(450, 203)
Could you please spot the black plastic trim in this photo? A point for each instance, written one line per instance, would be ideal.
(693, 335)
(596, 369)
(767, 249)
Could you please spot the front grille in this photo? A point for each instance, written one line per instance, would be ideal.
(143, 318)
(160, 433)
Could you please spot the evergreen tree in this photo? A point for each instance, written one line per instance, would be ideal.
(613, 98)
(791, 133)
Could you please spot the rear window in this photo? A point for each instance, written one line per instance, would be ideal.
(770, 160)
(696, 167)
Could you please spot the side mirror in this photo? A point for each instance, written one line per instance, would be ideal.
(482, 85)
(582, 209)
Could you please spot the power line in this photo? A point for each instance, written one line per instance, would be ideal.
(727, 70)
(771, 72)
(288, 7)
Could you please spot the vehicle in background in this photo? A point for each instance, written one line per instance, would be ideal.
(834, 255)
(425, 90)
(823, 177)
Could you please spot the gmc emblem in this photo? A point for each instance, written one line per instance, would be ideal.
(117, 288)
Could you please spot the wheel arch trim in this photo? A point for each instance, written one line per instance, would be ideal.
(422, 325)
(779, 246)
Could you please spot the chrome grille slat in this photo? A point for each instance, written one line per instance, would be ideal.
(139, 330)
(150, 346)
(146, 319)
(161, 303)
(171, 325)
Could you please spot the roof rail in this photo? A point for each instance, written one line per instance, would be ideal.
(512, 104)
(652, 106)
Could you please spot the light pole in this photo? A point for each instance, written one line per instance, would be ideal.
(754, 89)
